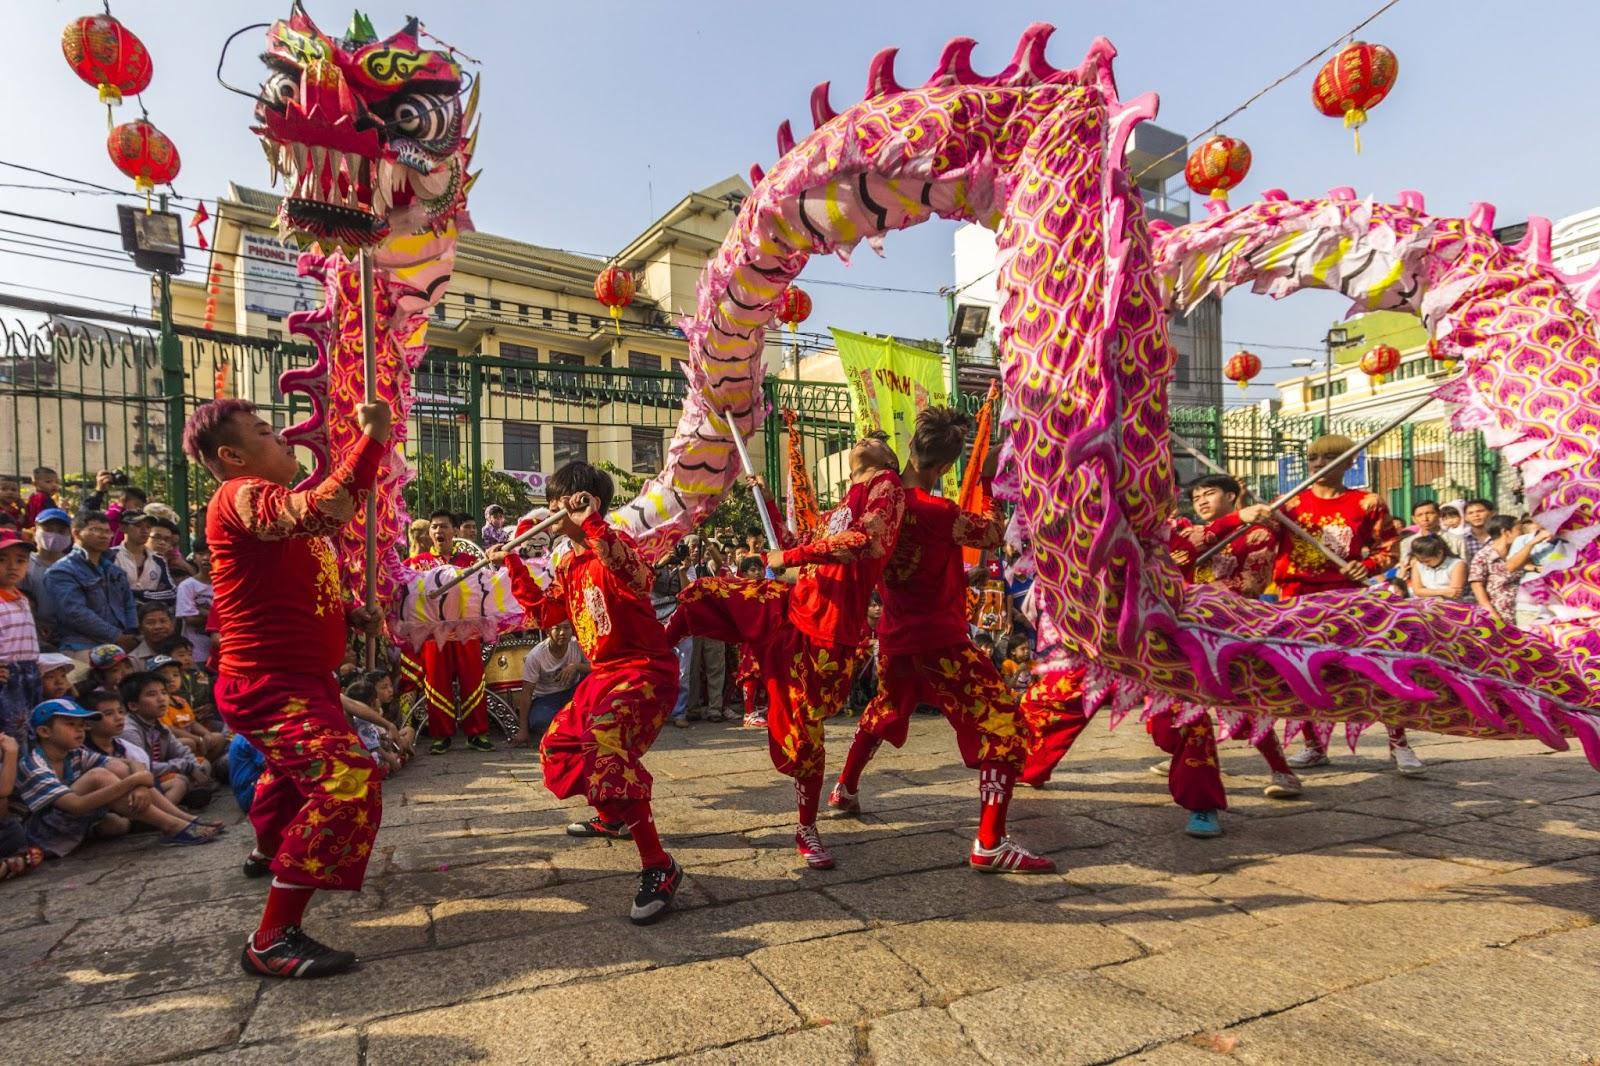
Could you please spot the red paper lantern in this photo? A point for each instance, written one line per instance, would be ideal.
(795, 309)
(1241, 367)
(614, 287)
(1380, 361)
(143, 153)
(1218, 165)
(106, 54)
(1353, 82)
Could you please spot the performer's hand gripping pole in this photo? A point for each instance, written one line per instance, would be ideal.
(369, 386)
(1310, 479)
(1293, 527)
(773, 542)
(511, 545)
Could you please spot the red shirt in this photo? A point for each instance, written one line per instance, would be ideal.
(431, 561)
(1244, 566)
(842, 561)
(925, 581)
(1354, 524)
(275, 579)
(36, 503)
(603, 588)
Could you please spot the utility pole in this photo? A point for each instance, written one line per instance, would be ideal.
(173, 388)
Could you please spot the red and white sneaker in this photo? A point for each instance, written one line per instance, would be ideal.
(809, 844)
(844, 804)
(1009, 857)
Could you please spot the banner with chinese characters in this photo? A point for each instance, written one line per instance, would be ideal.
(889, 383)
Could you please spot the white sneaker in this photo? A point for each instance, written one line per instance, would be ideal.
(1406, 761)
(1308, 757)
(1283, 786)
(1161, 769)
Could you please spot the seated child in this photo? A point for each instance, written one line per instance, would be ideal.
(55, 675)
(180, 716)
(108, 665)
(104, 737)
(383, 685)
(378, 735)
(145, 695)
(72, 793)
(17, 857)
(19, 638)
(196, 685)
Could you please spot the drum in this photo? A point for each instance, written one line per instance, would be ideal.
(502, 673)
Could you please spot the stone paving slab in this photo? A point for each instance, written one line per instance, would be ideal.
(1450, 919)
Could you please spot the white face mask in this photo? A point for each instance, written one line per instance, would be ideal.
(51, 542)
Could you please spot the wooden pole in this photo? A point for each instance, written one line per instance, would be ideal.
(369, 386)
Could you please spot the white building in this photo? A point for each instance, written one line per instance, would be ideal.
(1156, 158)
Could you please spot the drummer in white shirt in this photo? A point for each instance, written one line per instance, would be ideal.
(550, 673)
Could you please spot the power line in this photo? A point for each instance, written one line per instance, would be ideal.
(1347, 35)
(171, 192)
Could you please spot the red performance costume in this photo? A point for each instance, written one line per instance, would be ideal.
(440, 668)
(595, 745)
(283, 632)
(806, 637)
(1355, 526)
(925, 656)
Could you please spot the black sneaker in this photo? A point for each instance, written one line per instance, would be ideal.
(657, 886)
(257, 865)
(480, 743)
(294, 955)
(440, 746)
(599, 827)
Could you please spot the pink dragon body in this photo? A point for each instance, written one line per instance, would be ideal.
(373, 142)
(1037, 154)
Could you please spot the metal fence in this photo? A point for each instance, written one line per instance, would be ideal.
(82, 391)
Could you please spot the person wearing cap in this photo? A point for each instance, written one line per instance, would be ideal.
(93, 602)
(71, 793)
(108, 665)
(52, 539)
(1354, 525)
(494, 526)
(130, 498)
(19, 638)
(181, 717)
(147, 571)
(55, 675)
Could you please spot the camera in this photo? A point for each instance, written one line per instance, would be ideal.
(119, 479)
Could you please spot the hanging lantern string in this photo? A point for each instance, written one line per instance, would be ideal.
(1341, 39)
(452, 49)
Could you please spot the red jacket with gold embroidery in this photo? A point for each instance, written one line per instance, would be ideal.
(925, 581)
(275, 580)
(1244, 566)
(841, 563)
(1354, 524)
(432, 561)
(603, 589)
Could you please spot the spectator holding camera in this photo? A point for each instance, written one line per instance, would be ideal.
(93, 602)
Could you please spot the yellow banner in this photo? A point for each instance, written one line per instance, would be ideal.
(889, 383)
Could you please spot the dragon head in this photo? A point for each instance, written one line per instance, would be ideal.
(371, 136)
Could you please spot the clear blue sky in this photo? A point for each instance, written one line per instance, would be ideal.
(594, 111)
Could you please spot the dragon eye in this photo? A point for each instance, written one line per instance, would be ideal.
(427, 117)
(278, 90)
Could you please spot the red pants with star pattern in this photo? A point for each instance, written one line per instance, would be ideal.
(807, 682)
(318, 801)
(964, 685)
(596, 744)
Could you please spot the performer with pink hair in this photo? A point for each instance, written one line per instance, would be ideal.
(283, 623)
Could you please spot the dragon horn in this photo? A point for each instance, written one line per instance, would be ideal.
(472, 179)
(785, 138)
(955, 63)
(880, 76)
(821, 110)
(1029, 57)
(472, 140)
(756, 174)
(472, 102)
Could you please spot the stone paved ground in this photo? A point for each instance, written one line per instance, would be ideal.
(1444, 920)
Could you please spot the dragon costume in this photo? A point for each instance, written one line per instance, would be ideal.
(1036, 153)
(373, 141)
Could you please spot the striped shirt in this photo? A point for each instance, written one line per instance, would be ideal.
(19, 636)
(38, 784)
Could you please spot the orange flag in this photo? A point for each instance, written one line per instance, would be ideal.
(804, 513)
(973, 498)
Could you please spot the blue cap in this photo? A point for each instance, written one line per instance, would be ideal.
(60, 708)
(53, 514)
